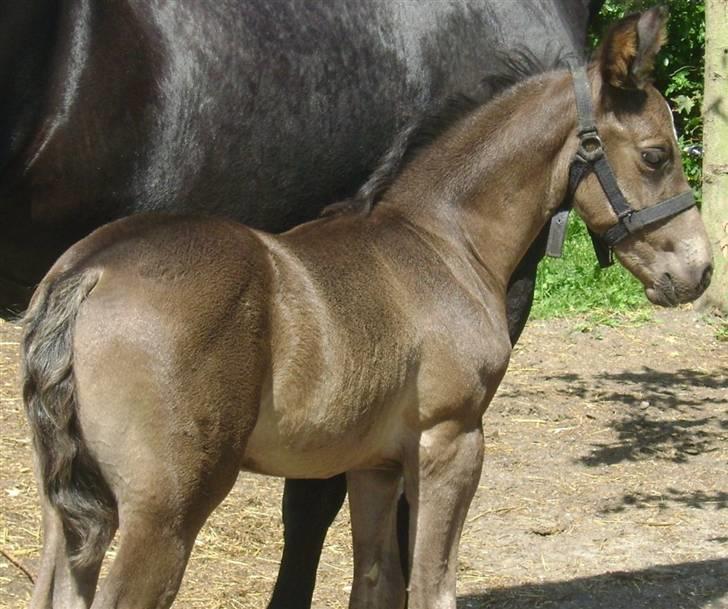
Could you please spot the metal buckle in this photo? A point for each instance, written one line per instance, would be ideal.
(625, 219)
(625, 214)
(590, 147)
(603, 252)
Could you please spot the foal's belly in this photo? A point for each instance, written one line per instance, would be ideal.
(307, 441)
(321, 462)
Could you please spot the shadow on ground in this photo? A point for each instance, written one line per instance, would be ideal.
(702, 500)
(670, 416)
(693, 585)
(662, 417)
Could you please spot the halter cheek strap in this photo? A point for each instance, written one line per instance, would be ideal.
(590, 157)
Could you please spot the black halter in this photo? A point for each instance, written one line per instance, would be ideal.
(590, 157)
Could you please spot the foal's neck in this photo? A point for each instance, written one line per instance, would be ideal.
(491, 182)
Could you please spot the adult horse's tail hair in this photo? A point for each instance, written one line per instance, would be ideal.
(71, 479)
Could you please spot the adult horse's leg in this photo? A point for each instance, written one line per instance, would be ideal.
(441, 475)
(378, 578)
(522, 285)
(309, 508)
(403, 536)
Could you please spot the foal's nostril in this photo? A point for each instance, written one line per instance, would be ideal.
(666, 287)
(707, 276)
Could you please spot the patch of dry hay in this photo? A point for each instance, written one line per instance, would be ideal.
(19, 521)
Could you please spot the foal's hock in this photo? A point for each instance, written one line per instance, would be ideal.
(162, 354)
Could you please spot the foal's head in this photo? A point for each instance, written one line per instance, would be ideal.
(672, 256)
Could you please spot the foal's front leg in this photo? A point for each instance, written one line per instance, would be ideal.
(441, 476)
(378, 579)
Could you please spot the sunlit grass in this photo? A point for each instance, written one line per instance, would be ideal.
(575, 284)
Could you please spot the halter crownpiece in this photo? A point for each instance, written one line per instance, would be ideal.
(590, 157)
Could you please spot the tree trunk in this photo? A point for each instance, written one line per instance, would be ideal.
(715, 143)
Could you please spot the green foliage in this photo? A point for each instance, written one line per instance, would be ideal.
(575, 283)
(721, 331)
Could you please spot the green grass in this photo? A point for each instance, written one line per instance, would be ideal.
(575, 284)
(721, 329)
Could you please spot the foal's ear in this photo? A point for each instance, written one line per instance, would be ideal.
(627, 54)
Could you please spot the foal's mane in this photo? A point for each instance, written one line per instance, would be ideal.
(516, 65)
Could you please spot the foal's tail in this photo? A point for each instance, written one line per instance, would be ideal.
(71, 479)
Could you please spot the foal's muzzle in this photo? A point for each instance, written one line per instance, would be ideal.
(672, 289)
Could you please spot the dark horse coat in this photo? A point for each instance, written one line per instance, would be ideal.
(261, 111)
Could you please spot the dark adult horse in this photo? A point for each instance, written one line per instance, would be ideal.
(259, 111)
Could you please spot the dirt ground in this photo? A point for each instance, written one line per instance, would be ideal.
(605, 484)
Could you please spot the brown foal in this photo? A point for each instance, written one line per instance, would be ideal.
(162, 354)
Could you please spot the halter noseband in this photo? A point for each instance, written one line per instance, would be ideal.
(590, 157)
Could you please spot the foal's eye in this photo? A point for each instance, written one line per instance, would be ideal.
(654, 158)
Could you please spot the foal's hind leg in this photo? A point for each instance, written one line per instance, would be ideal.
(148, 569)
(159, 519)
(166, 478)
(58, 584)
(154, 547)
(378, 579)
(441, 475)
